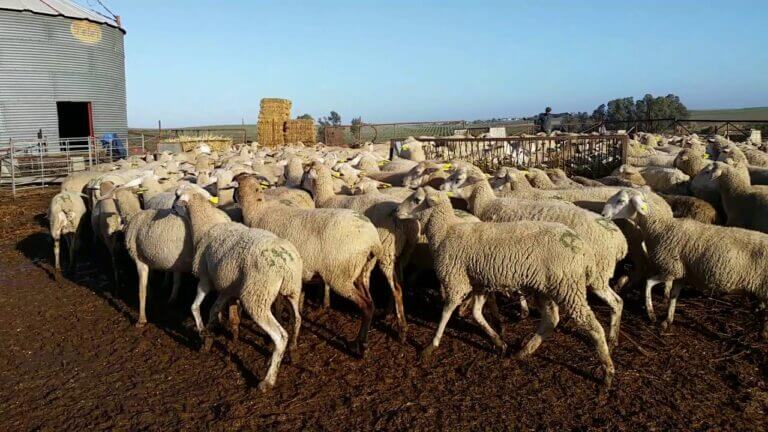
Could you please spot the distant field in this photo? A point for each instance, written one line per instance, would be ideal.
(758, 113)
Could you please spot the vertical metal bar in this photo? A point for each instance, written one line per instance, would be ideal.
(13, 166)
(90, 157)
(42, 171)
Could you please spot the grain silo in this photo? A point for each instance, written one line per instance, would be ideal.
(62, 72)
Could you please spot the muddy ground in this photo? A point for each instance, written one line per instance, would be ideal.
(71, 359)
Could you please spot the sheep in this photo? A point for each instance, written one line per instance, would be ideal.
(65, 218)
(692, 208)
(667, 180)
(250, 264)
(107, 225)
(539, 179)
(156, 239)
(560, 179)
(607, 244)
(427, 173)
(709, 257)
(379, 209)
(744, 206)
(341, 246)
(367, 185)
(590, 198)
(76, 182)
(736, 157)
(412, 149)
(476, 259)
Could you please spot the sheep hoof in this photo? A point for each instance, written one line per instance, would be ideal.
(665, 325)
(608, 380)
(264, 386)
(358, 349)
(501, 347)
(141, 324)
(426, 354)
(207, 343)
(651, 316)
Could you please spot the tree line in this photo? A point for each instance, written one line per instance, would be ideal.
(625, 111)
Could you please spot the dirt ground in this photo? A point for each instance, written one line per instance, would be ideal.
(71, 359)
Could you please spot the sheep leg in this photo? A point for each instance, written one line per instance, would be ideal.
(397, 295)
(477, 312)
(234, 321)
(143, 272)
(496, 320)
(175, 288)
(202, 289)
(326, 296)
(524, 311)
(674, 293)
(296, 306)
(649, 284)
(279, 337)
(616, 304)
(365, 303)
(550, 317)
(113, 255)
(584, 318)
(448, 309)
(71, 244)
(56, 258)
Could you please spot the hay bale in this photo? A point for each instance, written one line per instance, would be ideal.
(190, 142)
(273, 115)
(300, 130)
(271, 132)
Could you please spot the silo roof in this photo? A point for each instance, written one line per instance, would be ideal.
(62, 8)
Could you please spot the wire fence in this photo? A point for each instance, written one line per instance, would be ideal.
(36, 163)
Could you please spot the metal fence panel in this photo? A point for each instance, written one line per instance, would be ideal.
(585, 155)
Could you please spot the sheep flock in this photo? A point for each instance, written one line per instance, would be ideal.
(260, 226)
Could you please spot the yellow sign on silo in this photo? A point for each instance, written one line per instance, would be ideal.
(86, 31)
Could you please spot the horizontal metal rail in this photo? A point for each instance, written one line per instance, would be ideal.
(41, 163)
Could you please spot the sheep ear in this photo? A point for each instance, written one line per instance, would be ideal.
(640, 205)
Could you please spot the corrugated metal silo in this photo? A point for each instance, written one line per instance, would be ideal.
(62, 71)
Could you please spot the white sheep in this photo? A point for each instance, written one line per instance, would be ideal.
(476, 258)
(340, 246)
(251, 264)
(65, 216)
(606, 243)
(746, 206)
(709, 257)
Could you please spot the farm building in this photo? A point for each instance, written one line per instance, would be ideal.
(63, 72)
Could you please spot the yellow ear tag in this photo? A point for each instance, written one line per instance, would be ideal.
(406, 147)
(705, 155)
(644, 208)
(264, 184)
(447, 166)
(450, 194)
(383, 162)
(335, 174)
(214, 200)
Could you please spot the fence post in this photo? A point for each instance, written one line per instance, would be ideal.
(42, 170)
(143, 149)
(90, 157)
(624, 149)
(13, 167)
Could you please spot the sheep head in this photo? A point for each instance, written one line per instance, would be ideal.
(626, 204)
(420, 204)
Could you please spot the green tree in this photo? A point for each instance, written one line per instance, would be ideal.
(305, 117)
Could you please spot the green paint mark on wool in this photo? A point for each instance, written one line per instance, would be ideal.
(571, 240)
(607, 224)
(278, 254)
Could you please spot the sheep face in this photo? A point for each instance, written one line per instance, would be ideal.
(184, 194)
(626, 205)
(418, 206)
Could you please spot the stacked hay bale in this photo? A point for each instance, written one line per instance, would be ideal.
(273, 115)
(300, 130)
(190, 142)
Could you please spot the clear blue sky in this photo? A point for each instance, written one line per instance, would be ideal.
(209, 62)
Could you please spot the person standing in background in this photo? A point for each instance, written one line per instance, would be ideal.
(545, 120)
